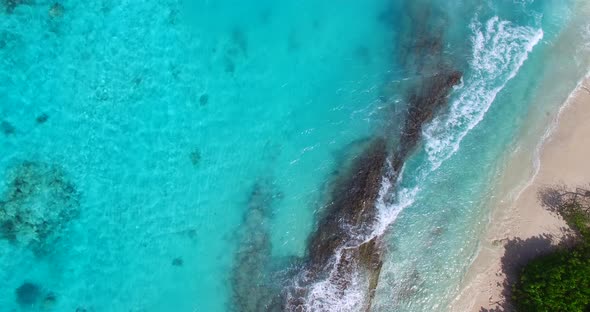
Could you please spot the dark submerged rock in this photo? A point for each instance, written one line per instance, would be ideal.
(178, 262)
(352, 204)
(49, 300)
(7, 37)
(425, 100)
(345, 225)
(10, 5)
(195, 157)
(7, 128)
(265, 16)
(229, 65)
(8, 230)
(363, 53)
(345, 221)
(39, 202)
(137, 81)
(239, 40)
(56, 10)
(41, 119)
(204, 99)
(254, 289)
(28, 294)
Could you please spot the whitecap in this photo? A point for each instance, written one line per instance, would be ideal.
(500, 48)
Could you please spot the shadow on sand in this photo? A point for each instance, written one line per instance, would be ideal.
(519, 252)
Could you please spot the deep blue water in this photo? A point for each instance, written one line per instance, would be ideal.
(137, 136)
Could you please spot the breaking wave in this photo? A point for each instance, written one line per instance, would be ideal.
(500, 48)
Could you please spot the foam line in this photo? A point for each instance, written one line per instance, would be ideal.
(500, 48)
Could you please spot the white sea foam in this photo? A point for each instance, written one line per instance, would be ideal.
(326, 295)
(585, 34)
(549, 132)
(500, 48)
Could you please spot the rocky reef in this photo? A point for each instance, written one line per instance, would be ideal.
(353, 196)
(27, 294)
(253, 287)
(339, 248)
(343, 251)
(7, 128)
(38, 203)
(10, 5)
(424, 100)
(30, 295)
(342, 248)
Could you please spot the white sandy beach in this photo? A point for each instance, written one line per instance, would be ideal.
(563, 159)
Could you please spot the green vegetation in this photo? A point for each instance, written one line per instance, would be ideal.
(556, 282)
(560, 281)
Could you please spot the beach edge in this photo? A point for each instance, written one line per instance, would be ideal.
(559, 160)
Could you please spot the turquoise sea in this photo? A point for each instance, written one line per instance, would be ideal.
(178, 155)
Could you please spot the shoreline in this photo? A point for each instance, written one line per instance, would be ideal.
(518, 222)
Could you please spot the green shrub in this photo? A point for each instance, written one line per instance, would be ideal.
(559, 281)
(556, 282)
(578, 220)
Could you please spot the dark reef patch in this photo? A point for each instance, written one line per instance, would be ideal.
(7, 38)
(235, 49)
(345, 222)
(363, 54)
(7, 128)
(204, 99)
(49, 300)
(239, 42)
(195, 157)
(28, 294)
(350, 215)
(173, 16)
(229, 65)
(425, 62)
(407, 286)
(178, 262)
(175, 71)
(342, 245)
(254, 289)
(39, 202)
(137, 81)
(265, 16)
(425, 100)
(56, 10)
(351, 205)
(10, 5)
(422, 48)
(41, 119)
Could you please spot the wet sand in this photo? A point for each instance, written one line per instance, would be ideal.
(520, 228)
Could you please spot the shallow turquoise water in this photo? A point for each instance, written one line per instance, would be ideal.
(165, 116)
